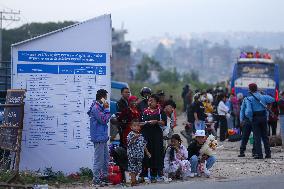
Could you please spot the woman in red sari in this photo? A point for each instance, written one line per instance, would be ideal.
(127, 116)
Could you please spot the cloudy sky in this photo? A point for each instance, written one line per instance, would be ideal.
(147, 18)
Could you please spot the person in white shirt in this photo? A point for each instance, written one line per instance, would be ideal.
(223, 112)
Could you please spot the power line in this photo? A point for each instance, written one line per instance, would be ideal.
(7, 16)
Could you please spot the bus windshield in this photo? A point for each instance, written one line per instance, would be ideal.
(260, 73)
(255, 70)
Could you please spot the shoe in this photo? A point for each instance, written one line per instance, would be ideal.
(134, 184)
(191, 175)
(167, 179)
(105, 181)
(141, 180)
(153, 180)
(160, 179)
(198, 174)
(268, 156)
(258, 157)
(241, 155)
(253, 155)
(147, 180)
(207, 173)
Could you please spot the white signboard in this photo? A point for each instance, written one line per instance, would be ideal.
(61, 72)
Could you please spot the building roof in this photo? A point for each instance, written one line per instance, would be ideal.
(59, 30)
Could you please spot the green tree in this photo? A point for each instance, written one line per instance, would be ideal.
(190, 77)
(162, 54)
(143, 69)
(142, 72)
(27, 31)
(167, 76)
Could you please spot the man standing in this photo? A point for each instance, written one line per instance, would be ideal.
(256, 111)
(123, 102)
(162, 98)
(246, 126)
(198, 110)
(145, 93)
(185, 90)
(99, 117)
(281, 108)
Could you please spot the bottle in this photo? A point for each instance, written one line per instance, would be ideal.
(251, 138)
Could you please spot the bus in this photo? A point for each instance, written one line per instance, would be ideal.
(255, 68)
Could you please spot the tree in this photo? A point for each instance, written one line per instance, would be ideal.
(167, 76)
(162, 54)
(190, 77)
(28, 31)
(142, 72)
(143, 69)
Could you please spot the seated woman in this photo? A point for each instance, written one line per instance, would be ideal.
(175, 162)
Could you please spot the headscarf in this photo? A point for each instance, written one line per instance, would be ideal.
(132, 98)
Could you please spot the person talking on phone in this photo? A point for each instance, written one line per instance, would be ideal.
(99, 117)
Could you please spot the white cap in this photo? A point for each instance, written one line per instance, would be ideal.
(200, 133)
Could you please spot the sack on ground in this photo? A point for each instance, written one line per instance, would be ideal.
(235, 137)
(275, 141)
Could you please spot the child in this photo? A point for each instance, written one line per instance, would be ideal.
(136, 145)
(175, 162)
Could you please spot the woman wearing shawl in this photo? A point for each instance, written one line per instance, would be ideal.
(127, 116)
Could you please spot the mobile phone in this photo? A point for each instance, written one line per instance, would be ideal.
(103, 100)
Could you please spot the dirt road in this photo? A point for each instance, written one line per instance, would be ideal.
(228, 165)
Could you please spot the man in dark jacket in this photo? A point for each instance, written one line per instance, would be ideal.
(198, 110)
(123, 102)
(185, 90)
(194, 153)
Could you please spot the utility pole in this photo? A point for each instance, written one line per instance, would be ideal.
(6, 16)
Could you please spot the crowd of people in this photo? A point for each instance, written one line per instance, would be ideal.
(154, 151)
(256, 113)
(146, 130)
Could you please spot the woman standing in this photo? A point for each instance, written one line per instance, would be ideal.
(154, 118)
(223, 111)
(273, 118)
(126, 116)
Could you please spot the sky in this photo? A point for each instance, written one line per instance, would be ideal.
(148, 18)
